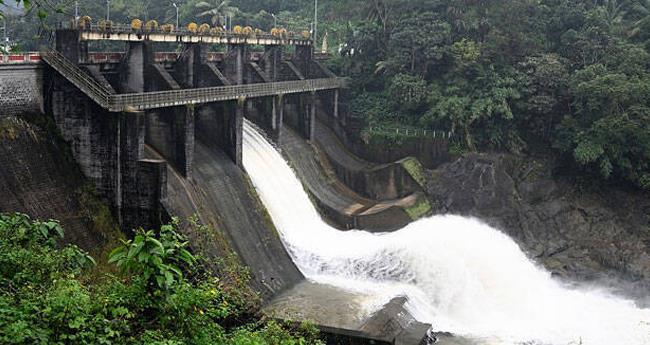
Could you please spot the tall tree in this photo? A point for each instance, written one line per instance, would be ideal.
(641, 11)
(217, 11)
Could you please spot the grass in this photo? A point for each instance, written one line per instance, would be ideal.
(415, 169)
(421, 208)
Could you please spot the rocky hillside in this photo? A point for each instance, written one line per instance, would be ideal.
(589, 233)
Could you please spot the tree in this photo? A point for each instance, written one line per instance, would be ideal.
(137, 8)
(545, 96)
(608, 131)
(217, 11)
(478, 106)
(641, 11)
(418, 43)
(408, 93)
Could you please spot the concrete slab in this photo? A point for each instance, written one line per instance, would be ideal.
(342, 316)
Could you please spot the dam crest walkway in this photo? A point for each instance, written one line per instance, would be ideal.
(160, 99)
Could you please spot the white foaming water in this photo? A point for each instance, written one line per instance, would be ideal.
(460, 275)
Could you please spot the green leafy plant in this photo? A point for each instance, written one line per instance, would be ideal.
(156, 257)
(47, 297)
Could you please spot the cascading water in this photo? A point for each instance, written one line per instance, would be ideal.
(459, 275)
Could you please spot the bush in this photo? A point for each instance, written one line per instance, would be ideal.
(373, 107)
(156, 258)
(163, 296)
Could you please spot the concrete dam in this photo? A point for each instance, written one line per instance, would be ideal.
(160, 134)
(247, 142)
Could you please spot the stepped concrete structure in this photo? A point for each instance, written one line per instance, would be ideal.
(110, 106)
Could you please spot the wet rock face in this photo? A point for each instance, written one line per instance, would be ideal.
(599, 234)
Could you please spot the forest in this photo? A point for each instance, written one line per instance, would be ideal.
(566, 79)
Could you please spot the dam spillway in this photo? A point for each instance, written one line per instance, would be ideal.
(462, 276)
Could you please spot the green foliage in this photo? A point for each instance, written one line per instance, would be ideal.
(562, 78)
(45, 297)
(217, 12)
(157, 258)
(375, 107)
(487, 104)
(421, 208)
(608, 130)
(25, 257)
(415, 169)
(466, 51)
(418, 43)
(408, 92)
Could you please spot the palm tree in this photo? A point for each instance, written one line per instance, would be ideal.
(217, 10)
(379, 11)
(614, 13)
(138, 9)
(642, 10)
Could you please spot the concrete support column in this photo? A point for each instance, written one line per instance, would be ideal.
(188, 69)
(336, 104)
(185, 148)
(236, 58)
(303, 116)
(92, 132)
(278, 112)
(236, 132)
(109, 149)
(143, 183)
(69, 44)
(303, 58)
(152, 191)
(221, 124)
(138, 62)
(83, 52)
(170, 131)
(267, 113)
(272, 62)
(311, 116)
(130, 148)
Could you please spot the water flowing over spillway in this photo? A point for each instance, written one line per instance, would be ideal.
(460, 275)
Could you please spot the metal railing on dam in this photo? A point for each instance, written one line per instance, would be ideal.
(33, 58)
(160, 99)
(96, 91)
(125, 32)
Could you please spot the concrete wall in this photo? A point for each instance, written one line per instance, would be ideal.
(221, 125)
(108, 148)
(431, 152)
(170, 131)
(38, 177)
(299, 113)
(21, 89)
